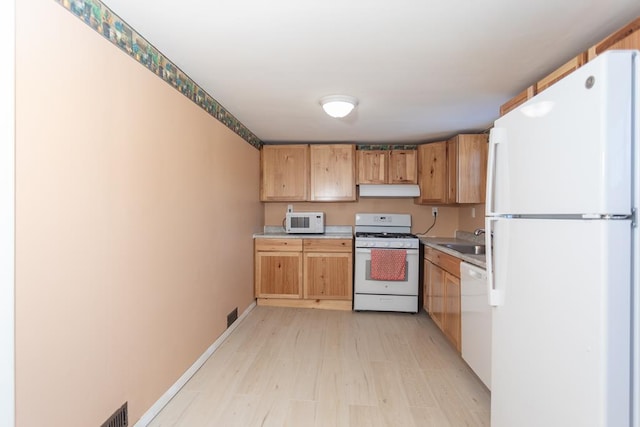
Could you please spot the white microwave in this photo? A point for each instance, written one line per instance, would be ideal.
(305, 222)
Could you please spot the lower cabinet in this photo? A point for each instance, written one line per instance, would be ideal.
(442, 293)
(451, 325)
(278, 268)
(315, 273)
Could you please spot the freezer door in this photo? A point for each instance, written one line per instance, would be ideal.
(568, 149)
(561, 329)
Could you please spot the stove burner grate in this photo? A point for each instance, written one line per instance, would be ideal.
(387, 235)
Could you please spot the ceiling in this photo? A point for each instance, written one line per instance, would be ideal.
(422, 69)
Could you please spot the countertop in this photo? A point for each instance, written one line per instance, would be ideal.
(433, 242)
(330, 232)
(346, 232)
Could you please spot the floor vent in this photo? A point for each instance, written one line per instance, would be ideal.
(232, 317)
(120, 418)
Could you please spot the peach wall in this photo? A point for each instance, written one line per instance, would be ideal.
(7, 211)
(467, 221)
(135, 211)
(344, 213)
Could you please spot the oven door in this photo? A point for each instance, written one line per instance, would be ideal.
(364, 284)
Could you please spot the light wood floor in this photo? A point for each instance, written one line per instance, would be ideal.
(306, 367)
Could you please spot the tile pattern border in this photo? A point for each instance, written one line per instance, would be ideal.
(100, 18)
(387, 147)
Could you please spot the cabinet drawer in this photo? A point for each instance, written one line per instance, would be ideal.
(293, 245)
(328, 245)
(445, 261)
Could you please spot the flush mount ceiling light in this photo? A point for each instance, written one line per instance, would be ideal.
(338, 106)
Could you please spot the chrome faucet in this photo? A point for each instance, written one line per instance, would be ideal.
(478, 231)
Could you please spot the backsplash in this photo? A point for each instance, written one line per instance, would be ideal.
(99, 17)
(468, 235)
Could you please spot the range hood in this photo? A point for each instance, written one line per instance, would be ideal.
(392, 190)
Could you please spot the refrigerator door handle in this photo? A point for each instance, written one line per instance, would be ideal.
(496, 296)
(496, 136)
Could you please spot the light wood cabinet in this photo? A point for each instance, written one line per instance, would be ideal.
(558, 74)
(372, 166)
(518, 100)
(278, 268)
(298, 173)
(284, 173)
(432, 173)
(436, 295)
(296, 272)
(387, 166)
(332, 173)
(467, 168)
(452, 310)
(453, 171)
(442, 289)
(627, 37)
(426, 290)
(561, 72)
(403, 167)
(328, 269)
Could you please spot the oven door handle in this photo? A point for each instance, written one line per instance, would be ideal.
(410, 251)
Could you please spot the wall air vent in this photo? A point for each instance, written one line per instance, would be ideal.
(120, 418)
(232, 317)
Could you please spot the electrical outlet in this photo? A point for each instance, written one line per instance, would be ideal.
(289, 208)
(473, 212)
(434, 211)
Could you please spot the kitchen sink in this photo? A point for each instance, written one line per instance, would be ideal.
(464, 248)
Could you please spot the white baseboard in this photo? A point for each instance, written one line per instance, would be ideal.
(175, 388)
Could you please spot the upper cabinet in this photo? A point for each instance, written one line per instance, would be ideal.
(332, 174)
(467, 168)
(628, 37)
(432, 173)
(563, 71)
(453, 171)
(518, 100)
(372, 166)
(284, 173)
(403, 167)
(387, 167)
(298, 173)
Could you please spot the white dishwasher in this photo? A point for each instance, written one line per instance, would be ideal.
(476, 321)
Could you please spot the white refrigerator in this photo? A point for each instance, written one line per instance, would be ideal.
(562, 251)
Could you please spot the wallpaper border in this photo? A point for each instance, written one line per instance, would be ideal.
(100, 18)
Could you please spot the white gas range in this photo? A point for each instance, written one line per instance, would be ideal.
(386, 263)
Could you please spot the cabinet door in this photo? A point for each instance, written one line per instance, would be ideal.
(426, 287)
(436, 285)
(333, 172)
(372, 166)
(628, 37)
(403, 167)
(278, 274)
(328, 275)
(284, 173)
(451, 327)
(562, 71)
(467, 183)
(432, 173)
(517, 100)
